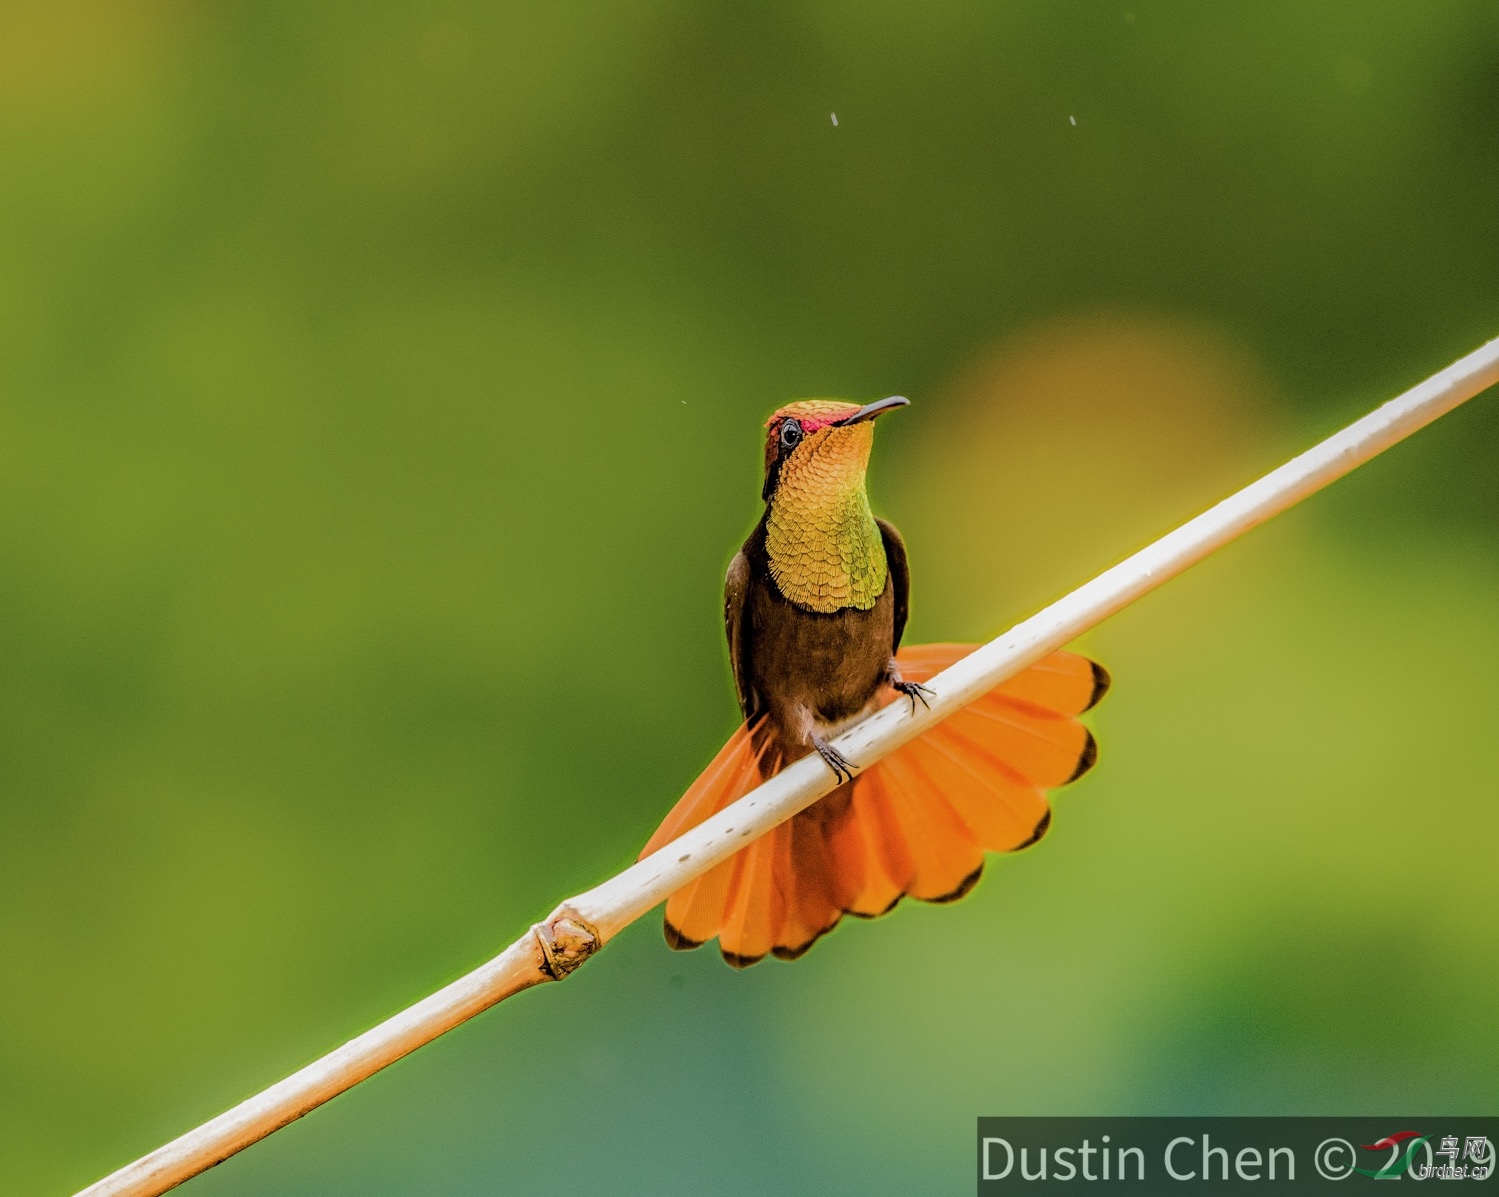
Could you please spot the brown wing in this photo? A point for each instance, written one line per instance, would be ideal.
(736, 585)
(900, 576)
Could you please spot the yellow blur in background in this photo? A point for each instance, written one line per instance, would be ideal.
(380, 402)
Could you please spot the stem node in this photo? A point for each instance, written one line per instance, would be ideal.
(567, 939)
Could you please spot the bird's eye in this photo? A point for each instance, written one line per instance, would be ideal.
(791, 434)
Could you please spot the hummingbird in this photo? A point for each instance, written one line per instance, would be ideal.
(815, 605)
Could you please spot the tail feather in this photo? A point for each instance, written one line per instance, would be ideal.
(917, 822)
(812, 907)
(1065, 683)
(1001, 811)
(695, 912)
(866, 888)
(1033, 746)
(756, 909)
(915, 816)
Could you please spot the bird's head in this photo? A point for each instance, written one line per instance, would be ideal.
(823, 443)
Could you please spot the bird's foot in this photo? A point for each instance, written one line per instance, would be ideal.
(913, 691)
(842, 767)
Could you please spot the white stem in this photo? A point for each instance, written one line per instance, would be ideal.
(583, 923)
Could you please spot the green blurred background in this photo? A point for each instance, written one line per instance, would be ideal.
(380, 390)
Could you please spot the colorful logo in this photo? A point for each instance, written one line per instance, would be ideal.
(1395, 1165)
(1476, 1163)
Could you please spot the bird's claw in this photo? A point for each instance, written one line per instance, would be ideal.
(842, 767)
(913, 691)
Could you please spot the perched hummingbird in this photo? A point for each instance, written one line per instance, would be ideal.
(814, 607)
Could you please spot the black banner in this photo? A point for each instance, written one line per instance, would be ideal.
(1282, 1155)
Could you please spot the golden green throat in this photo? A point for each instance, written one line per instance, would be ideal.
(825, 550)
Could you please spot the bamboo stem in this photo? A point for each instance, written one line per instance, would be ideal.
(581, 925)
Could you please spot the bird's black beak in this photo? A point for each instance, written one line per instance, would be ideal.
(870, 410)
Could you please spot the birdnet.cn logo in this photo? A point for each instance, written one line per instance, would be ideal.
(1475, 1163)
(1285, 1154)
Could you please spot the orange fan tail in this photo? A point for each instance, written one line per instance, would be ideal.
(917, 822)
